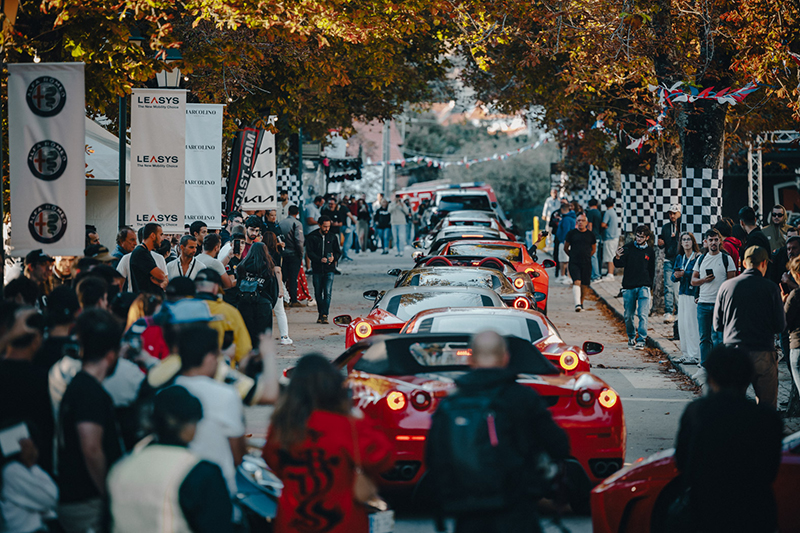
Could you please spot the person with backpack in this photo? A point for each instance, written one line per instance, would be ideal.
(258, 289)
(487, 443)
(730, 244)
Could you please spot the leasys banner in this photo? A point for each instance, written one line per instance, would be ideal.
(204, 164)
(262, 191)
(158, 158)
(46, 146)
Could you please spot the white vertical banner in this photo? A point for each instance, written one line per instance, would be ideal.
(158, 158)
(262, 191)
(46, 114)
(204, 164)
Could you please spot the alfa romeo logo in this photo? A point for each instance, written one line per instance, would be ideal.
(47, 223)
(46, 96)
(47, 160)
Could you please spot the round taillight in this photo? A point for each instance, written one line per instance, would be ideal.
(568, 360)
(420, 399)
(519, 283)
(585, 398)
(522, 303)
(529, 270)
(608, 398)
(363, 330)
(396, 400)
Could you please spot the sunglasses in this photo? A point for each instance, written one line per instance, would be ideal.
(778, 215)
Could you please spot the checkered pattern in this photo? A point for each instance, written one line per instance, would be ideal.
(667, 191)
(290, 183)
(702, 200)
(582, 196)
(637, 202)
(598, 185)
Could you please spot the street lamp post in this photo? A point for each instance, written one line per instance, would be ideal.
(135, 38)
(169, 79)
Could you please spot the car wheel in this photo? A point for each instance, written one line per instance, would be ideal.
(662, 521)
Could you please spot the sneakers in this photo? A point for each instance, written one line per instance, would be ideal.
(323, 319)
(669, 318)
(700, 375)
(578, 308)
(296, 304)
(286, 340)
(608, 277)
(564, 280)
(640, 345)
(631, 343)
(687, 361)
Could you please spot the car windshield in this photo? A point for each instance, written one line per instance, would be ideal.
(509, 253)
(518, 326)
(483, 223)
(404, 306)
(457, 278)
(464, 202)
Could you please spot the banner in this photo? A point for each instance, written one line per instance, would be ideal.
(262, 191)
(46, 146)
(245, 148)
(203, 163)
(158, 155)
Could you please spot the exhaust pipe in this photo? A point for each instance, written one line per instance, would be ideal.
(407, 472)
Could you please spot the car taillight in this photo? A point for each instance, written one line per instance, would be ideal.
(568, 360)
(585, 398)
(410, 437)
(421, 400)
(522, 303)
(519, 283)
(608, 398)
(396, 400)
(363, 330)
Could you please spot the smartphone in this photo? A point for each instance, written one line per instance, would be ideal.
(709, 272)
(544, 233)
(237, 247)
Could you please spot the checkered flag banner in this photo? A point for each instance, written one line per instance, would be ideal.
(702, 200)
(289, 182)
(598, 185)
(637, 202)
(667, 192)
(582, 196)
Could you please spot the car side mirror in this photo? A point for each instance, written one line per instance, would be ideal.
(540, 297)
(394, 272)
(371, 295)
(592, 348)
(342, 320)
(548, 263)
(494, 204)
(417, 244)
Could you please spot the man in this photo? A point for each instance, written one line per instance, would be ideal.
(580, 245)
(254, 229)
(208, 259)
(147, 488)
(551, 205)
(145, 273)
(293, 252)
(90, 442)
(398, 212)
(38, 268)
(220, 434)
(730, 244)
(668, 241)
(512, 405)
(312, 214)
(755, 237)
(323, 249)
(187, 264)
(722, 429)
(776, 230)
(207, 285)
(99, 253)
(749, 313)
(710, 271)
(595, 218)
(610, 227)
(91, 236)
(639, 261)
(780, 261)
(383, 225)
(126, 242)
(92, 293)
(283, 205)
(331, 210)
(198, 230)
(234, 219)
(62, 271)
(565, 225)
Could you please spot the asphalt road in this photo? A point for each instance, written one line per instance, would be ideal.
(653, 397)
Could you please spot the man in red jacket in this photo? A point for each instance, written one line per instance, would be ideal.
(730, 244)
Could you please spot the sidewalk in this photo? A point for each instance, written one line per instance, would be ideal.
(659, 336)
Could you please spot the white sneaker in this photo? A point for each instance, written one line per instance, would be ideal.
(608, 277)
(286, 340)
(565, 280)
(669, 318)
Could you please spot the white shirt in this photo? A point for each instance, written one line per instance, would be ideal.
(708, 291)
(123, 385)
(312, 211)
(283, 210)
(28, 495)
(124, 268)
(551, 205)
(174, 269)
(223, 418)
(211, 262)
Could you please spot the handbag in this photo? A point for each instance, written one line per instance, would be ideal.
(364, 489)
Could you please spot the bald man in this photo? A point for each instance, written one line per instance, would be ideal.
(489, 401)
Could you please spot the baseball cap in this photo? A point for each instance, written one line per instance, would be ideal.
(180, 287)
(755, 255)
(185, 312)
(209, 274)
(674, 208)
(37, 256)
(99, 252)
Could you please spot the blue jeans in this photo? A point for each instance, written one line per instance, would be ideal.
(323, 286)
(669, 287)
(636, 301)
(399, 232)
(348, 243)
(595, 265)
(383, 235)
(708, 337)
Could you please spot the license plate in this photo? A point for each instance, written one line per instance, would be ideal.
(381, 522)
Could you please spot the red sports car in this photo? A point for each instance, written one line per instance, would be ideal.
(636, 498)
(525, 324)
(395, 307)
(398, 380)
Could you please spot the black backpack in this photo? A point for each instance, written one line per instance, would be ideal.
(249, 290)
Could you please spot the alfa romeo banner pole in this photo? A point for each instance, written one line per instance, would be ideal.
(262, 192)
(46, 146)
(203, 163)
(158, 155)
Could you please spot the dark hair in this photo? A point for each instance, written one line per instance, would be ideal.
(318, 198)
(123, 234)
(271, 240)
(593, 202)
(283, 191)
(712, 233)
(62, 304)
(253, 221)
(644, 230)
(195, 341)
(315, 385)
(99, 333)
(738, 232)
(793, 238)
(323, 219)
(790, 228)
(608, 202)
(258, 261)
(234, 214)
(140, 234)
(149, 229)
(211, 241)
(186, 239)
(165, 249)
(24, 287)
(293, 210)
(196, 226)
(729, 367)
(91, 290)
(747, 215)
(173, 408)
(723, 227)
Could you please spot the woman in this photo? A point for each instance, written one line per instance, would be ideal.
(687, 306)
(313, 420)
(258, 289)
(362, 214)
(283, 324)
(791, 306)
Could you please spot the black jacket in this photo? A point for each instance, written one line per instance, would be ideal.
(670, 242)
(383, 220)
(639, 265)
(274, 227)
(318, 246)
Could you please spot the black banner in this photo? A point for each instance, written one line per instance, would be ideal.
(243, 159)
